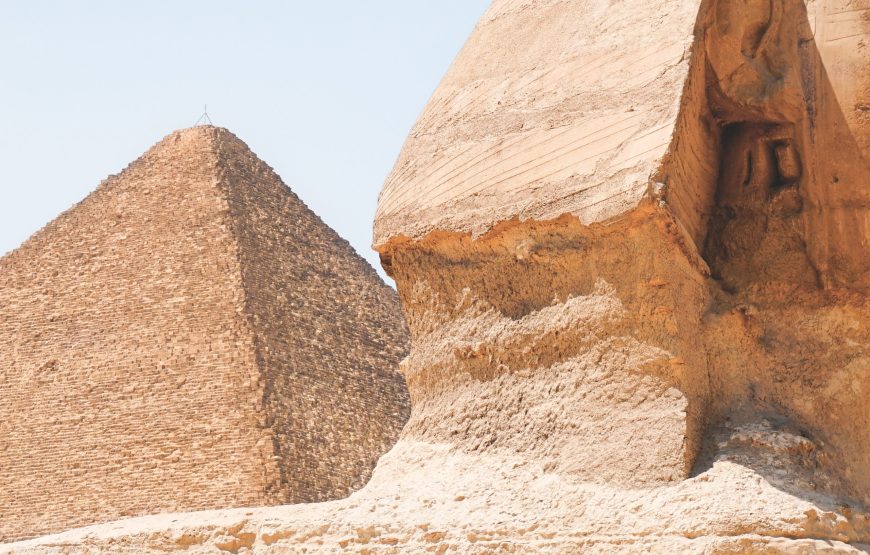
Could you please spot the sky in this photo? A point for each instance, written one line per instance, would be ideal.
(325, 92)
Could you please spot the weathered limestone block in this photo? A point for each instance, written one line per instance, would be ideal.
(701, 167)
(541, 117)
(190, 336)
(841, 29)
(561, 342)
(551, 108)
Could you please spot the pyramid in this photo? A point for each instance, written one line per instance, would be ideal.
(190, 336)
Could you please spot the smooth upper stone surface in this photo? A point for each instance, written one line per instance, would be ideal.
(552, 107)
(842, 35)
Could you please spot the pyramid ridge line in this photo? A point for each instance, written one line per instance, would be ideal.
(221, 145)
(224, 137)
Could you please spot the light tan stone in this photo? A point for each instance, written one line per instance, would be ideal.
(842, 35)
(190, 336)
(551, 108)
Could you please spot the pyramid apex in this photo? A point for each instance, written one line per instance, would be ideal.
(191, 141)
(198, 132)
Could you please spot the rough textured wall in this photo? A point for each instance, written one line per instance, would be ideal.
(787, 238)
(561, 343)
(736, 250)
(559, 119)
(139, 362)
(328, 335)
(760, 189)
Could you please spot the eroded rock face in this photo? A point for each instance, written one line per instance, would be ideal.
(629, 243)
(742, 223)
(635, 344)
(559, 342)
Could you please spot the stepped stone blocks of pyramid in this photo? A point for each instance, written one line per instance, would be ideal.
(190, 336)
(630, 240)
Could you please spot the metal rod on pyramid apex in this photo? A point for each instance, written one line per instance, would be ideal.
(203, 119)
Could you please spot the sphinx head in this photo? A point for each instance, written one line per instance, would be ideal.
(598, 249)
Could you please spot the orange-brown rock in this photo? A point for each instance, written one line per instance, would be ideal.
(706, 177)
(190, 336)
(711, 145)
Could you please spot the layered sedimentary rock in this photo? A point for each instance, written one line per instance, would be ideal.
(630, 244)
(190, 336)
(703, 168)
(710, 145)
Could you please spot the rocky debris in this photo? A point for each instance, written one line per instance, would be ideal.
(433, 498)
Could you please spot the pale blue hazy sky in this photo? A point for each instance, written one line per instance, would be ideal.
(324, 91)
